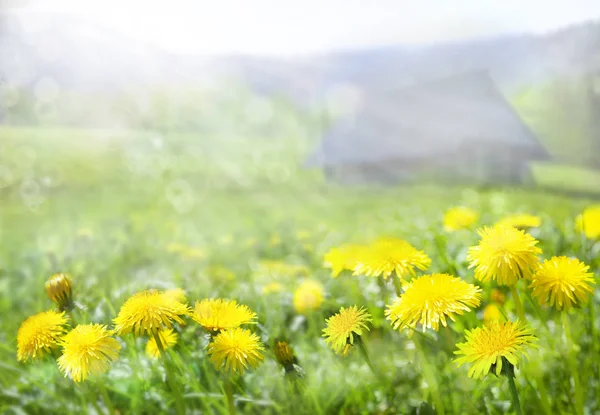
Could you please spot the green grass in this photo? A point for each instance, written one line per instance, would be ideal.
(567, 178)
(106, 211)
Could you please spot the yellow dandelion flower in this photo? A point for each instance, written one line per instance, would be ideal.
(177, 294)
(521, 221)
(273, 287)
(389, 255)
(563, 282)
(235, 350)
(460, 217)
(88, 349)
(491, 313)
(589, 222)
(218, 314)
(284, 354)
(59, 289)
(308, 296)
(343, 326)
(147, 311)
(431, 299)
(486, 346)
(168, 339)
(504, 253)
(342, 258)
(39, 334)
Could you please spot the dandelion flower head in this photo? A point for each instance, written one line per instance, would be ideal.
(388, 255)
(589, 222)
(486, 346)
(148, 311)
(39, 334)
(219, 314)
(562, 282)
(235, 350)
(342, 258)
(343, 326)
(308, 296)
(504, 253)
(431, 299)
(88, 349)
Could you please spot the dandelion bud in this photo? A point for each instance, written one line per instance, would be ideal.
(498, 296)
(59, 289)
(284, 355)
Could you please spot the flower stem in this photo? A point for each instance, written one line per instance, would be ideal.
(228, 386)
(572, 364)
(71, 314)
(382, 291)
(429, 377)
(442, 245)
(179, 404)
(105, 397)
(514, 395)
(592, 321)
(518, 305)
(545, 401)
(363, 351)
(397, 286)
(93, 399)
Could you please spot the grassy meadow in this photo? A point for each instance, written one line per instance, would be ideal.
(124, 211)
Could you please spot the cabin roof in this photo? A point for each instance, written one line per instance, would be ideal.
(427, 119)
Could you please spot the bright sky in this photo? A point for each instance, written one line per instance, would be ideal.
(297, 27)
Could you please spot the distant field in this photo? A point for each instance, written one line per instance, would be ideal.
(126, 211)
(569, 178)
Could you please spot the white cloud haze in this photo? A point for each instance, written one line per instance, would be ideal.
(283, 27)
